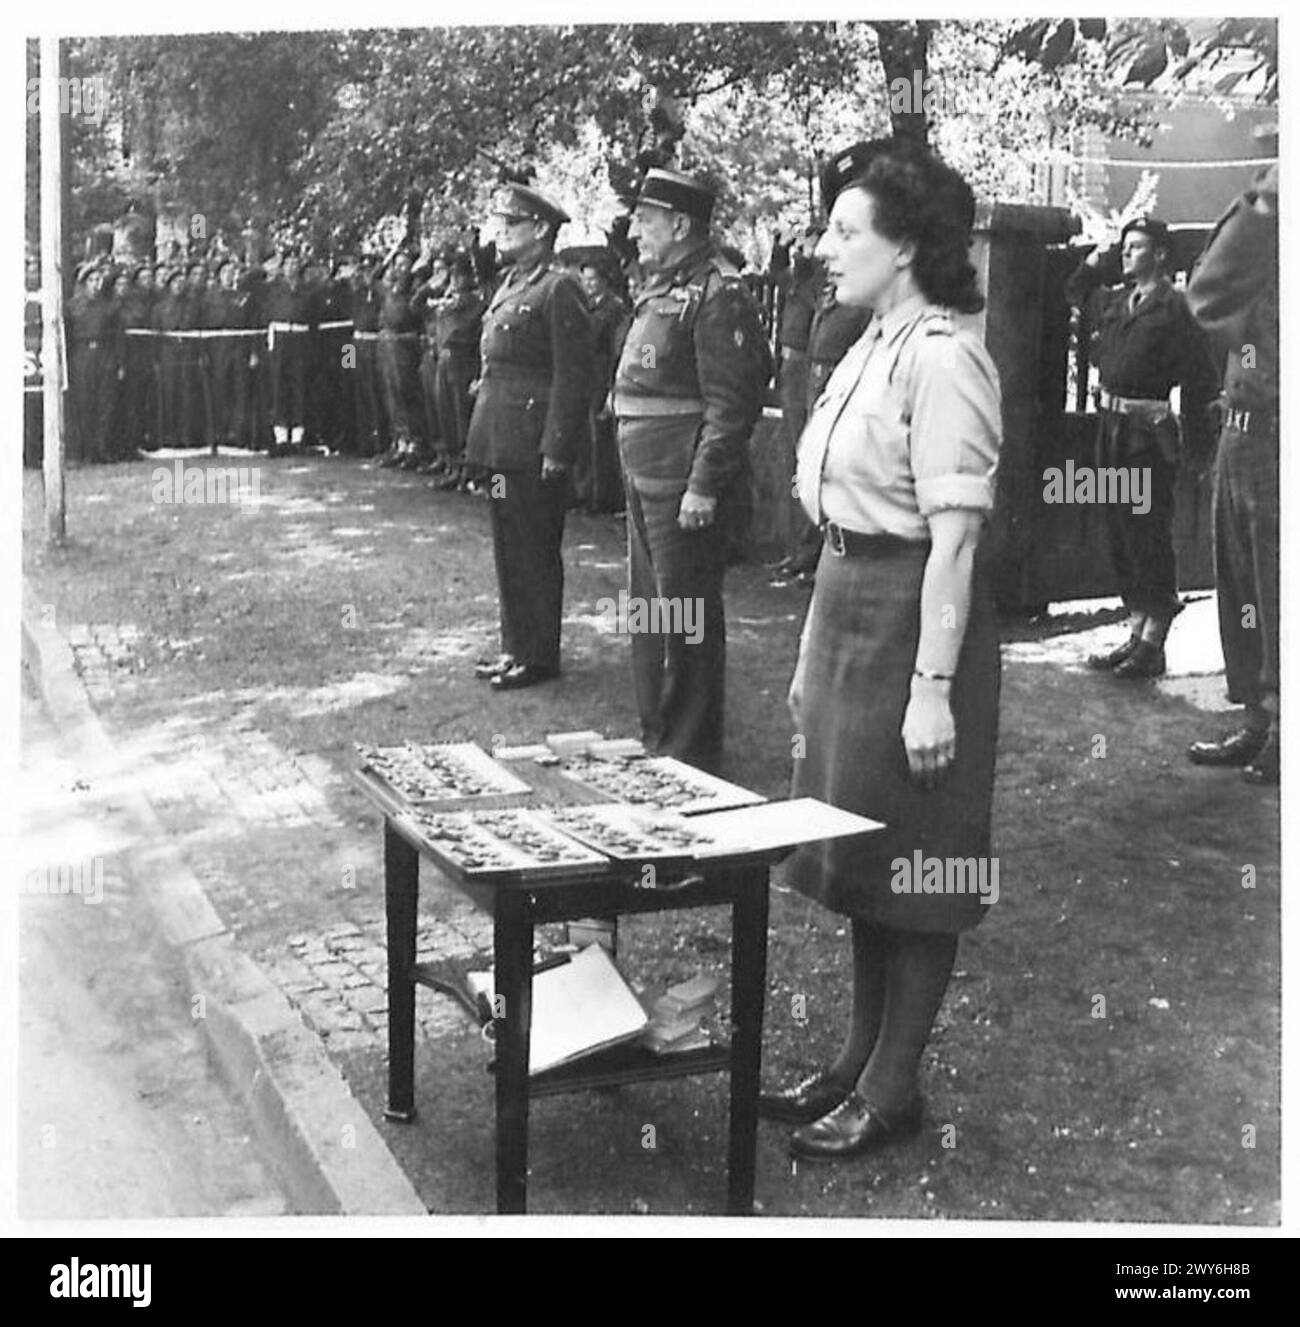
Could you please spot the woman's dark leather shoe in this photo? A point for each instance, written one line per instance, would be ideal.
(1109, 660)
(854, 1128)
(1239, 748)
(1266, 768)
(1145, 660)
(808, 1100)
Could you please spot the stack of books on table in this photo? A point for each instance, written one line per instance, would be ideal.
(676, 1017)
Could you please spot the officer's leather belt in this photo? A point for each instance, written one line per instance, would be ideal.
(1152, 408)
(287, 327)
(643, 407)
(850, 543)
(1254, 423)
(366, 336)
(454, 352)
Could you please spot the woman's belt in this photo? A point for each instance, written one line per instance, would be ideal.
(641, 407)
(849, 543)
(1154, 409)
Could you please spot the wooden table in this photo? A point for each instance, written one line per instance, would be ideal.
(740, 882)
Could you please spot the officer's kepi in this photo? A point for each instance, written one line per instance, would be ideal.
(676, 192)
(520, 202)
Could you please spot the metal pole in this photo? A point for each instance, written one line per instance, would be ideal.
(53, 350)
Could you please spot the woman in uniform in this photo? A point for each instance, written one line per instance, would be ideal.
(896, 689)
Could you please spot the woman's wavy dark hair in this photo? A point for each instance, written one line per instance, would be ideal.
(920, 199)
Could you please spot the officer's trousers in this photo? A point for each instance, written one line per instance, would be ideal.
(287, 365)
(527, 534)
(454, 374)
(1246, 563)
(1141, 543)
(679, 675)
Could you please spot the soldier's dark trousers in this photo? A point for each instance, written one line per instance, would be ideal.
(1246, 563)
(527, 534)
(680, 676)
(196, 402)
(288, 374)
(399, 356)
(1141, 544)
(451, 383)
(94, 394)
(429, 399)
(229, 375)
(171, 370)
(366, 404)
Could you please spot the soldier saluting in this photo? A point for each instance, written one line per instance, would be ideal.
(687, 394)
(530, 416)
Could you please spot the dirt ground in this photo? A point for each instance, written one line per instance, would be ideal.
(1109, 1047)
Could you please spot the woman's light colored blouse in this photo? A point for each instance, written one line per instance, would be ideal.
(909, 424)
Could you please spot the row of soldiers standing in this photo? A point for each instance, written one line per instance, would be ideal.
(368, 358)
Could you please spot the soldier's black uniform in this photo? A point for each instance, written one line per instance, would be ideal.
(367, 405)
(93, 372)
(458, 329)
(600, 488)
(290, 312)
(687, 395)
(1234, 294)
(228, 356)
(1142, 353)
(531, 403)
(135, 311)
(399, 366)
(170, 314)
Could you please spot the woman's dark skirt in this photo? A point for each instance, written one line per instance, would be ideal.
(857, 657)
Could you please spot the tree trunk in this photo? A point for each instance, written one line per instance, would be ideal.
(904, 49)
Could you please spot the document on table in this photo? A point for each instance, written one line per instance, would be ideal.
(580, 1007)
(776, 825)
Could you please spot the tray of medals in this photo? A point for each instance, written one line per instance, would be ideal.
(659, 782)
(509, 846)
(444, 773)
(631, 834)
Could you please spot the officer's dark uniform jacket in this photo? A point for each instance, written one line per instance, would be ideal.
(1144, 353)
(695, 340)
(535, 384)
(835, 327)
(1233, 293)
(458, 324)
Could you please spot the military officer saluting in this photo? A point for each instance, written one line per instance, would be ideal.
(530, 417)
(687, 394)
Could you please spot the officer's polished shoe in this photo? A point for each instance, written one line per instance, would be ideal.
(1145, 660)
(854, 1128)
(1103, 663)
(486, 669)
(522, 675)
(809, 1099)
(1239, 748)
(1266, 769)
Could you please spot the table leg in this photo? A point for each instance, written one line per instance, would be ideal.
(748, 980)
(513, 967)
(401, 897)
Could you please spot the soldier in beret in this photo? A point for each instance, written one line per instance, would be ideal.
(530, 416)
(687, 394)
(1148, 343)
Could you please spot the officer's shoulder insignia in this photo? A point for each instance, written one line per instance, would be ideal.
(738, 337)
(938, 322)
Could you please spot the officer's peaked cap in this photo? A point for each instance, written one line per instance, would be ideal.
(520, 200)
(679, 193)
